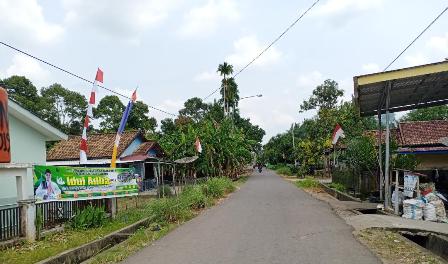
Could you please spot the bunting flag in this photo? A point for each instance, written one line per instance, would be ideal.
(124, 119)
(197, 145)
(83, 144)
(337, 133)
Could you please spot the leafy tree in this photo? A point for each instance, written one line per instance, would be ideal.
(109, 111)
(63, 108)
(139, 119)
(426, 114)
(194, 108)
(167, 126)
(325, 95)
(22, 90)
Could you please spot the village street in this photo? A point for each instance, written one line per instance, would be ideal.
(267, 221)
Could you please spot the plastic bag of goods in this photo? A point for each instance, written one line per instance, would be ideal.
(413, 209)
(440, 210)
(429, 212)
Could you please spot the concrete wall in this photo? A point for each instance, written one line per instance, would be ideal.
(27, 146)
(432, 161)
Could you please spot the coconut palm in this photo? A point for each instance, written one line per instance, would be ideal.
(224, 70)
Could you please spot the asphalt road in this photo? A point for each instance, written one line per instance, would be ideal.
(267, 221)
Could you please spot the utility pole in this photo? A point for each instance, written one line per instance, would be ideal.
(293, 144)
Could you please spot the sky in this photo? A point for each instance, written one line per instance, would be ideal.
(171, 49)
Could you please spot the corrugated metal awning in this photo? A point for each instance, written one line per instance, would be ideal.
(410, 88)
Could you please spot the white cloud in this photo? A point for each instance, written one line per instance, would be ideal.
(247, 48)
(24, 20)
(339, 7)
(205, 19)
(207, 76)
(121, 19)
(416, 59)
(439, 43)
(310, 80)
(370, 68)
(25, 66)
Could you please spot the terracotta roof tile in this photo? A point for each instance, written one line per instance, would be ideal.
(99, 146)
(423, 132)
(394, 135)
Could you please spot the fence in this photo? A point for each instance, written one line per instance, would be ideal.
(57, 212)
(10, 223)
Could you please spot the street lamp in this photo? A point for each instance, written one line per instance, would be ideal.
(258, 95)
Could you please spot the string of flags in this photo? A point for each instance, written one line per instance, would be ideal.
(83, 145)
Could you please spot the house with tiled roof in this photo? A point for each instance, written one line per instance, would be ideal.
(134, 151)
(424, 139)
(100, 146)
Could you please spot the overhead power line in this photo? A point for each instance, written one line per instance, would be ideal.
(415, 39)
(269, 46)
(77, 75)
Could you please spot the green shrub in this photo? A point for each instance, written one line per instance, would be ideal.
(194, 197)
(217, 187)
(301, 171)
(89, 217)
(165, 210)
(308, 182)
(165, 190)
(284, 171)
(337, 186)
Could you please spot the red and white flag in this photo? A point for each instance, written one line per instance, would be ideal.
(197, 145)
(92, 101)
(337, 133)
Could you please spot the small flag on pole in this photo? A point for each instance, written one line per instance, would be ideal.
(83, 144)
(337, 133)
(197, 145)
(124, 119)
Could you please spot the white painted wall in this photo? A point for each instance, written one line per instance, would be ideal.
(27, 146)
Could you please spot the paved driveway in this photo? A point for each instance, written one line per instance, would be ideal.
(268, 221)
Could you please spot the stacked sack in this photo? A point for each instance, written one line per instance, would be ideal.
(432, 200)
(413, 209)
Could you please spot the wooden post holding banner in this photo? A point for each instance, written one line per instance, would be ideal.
(5, 146)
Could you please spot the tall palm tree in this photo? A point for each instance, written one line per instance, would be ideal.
(224, 70)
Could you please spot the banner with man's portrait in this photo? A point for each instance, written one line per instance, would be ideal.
(76, 183)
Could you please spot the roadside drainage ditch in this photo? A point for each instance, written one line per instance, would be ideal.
(85, 252)
(437, 244)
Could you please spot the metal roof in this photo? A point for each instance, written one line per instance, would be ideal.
(411, 88)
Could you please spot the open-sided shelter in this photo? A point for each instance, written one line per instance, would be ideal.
(400, 90)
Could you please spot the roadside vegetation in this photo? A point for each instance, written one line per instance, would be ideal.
(165, 213)
(307, 183)
(312, 139)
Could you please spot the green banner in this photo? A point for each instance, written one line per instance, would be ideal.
(75, 183)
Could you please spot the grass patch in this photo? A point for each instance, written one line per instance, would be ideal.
(308, 182)
(284, 171)
(393, 248)
(337, 186)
